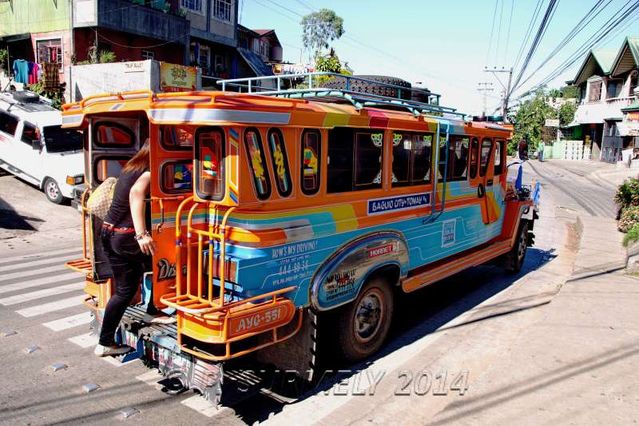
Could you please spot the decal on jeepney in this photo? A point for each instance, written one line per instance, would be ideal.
(404, 202)
(381, 250)
(448, 232)
(166, 270)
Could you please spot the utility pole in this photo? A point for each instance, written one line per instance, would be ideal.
(506, 93)
(484, 87)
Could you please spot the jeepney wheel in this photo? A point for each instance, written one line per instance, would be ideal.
(364, 324)
(52, 191)
(515, 259)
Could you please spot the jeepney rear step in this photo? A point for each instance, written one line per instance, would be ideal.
(80, 265)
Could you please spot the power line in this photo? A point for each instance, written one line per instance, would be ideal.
(531, 25)
(501, 15)
(492, 30)
(510, 21)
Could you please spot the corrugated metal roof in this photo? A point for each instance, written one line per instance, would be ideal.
(255, 62)
(627, 58)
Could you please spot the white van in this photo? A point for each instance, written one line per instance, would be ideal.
(35, 148)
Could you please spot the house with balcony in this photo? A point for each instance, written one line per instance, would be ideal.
(260, 50)
(606, 79)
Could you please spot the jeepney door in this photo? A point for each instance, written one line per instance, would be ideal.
(490, 211)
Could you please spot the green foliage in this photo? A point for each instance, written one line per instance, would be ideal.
(4, 53)
(56, 96)
(568, 92)
(627, 193)
(106, 56)
(329, 63)
(529, 122)
(629, 218)
(632, 235)
(319, 29)
(567, 113)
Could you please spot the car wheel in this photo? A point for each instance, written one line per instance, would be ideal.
(364, 323)
(52, 191)
(515, 258)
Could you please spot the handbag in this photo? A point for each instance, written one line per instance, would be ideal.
(101, 198)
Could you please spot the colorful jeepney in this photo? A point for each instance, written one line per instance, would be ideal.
(271, 211)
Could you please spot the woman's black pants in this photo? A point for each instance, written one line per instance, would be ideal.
(128, 264)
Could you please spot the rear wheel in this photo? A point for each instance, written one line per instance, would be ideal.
(52, 191)
(363, 325)
(515, 258)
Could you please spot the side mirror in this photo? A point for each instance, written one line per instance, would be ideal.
(36, 145)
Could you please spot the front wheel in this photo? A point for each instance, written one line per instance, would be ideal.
(364, 323)
(52, 191)
(515, 258)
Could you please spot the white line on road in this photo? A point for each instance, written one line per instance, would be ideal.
(69, 251)
(35, 271)
(15, 265)
(50, 307)
(116, 363)
(69, 322)
(26, 297)
(52, 279)
(84, 340)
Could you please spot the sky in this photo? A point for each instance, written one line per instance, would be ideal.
(447, 44)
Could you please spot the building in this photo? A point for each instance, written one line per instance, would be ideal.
(259, 50)
(607, 80)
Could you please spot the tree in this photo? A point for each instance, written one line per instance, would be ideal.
(319, 29)
(529, 122)
(567, 113)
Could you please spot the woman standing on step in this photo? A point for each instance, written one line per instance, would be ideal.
(127, 245)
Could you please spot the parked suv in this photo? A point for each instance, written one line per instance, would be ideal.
(34, 146)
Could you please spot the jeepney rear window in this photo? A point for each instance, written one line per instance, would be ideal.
(311, 157)
(486, 147)
(209, 163)
(177, 176)
(108, 166)
(257, 163)
(112, 134)
(411, 158)
(279, 161)
(177, 137)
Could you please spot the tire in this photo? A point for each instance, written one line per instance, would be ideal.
(362, 330)
(371, 87)
(515, 258)
(52, 191)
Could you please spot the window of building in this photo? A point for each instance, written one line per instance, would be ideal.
(614, 88)
(177, 137)
(458, 158)
(486, 148)
(411, 158)
(354, 160)
(499, 161)
(177, 176)
(148, 54)
(29, 134)
(112, 134)
(474, 158)
(192, 5)
(222, 9)
(209, 163)
(8, 123)
(49, 51)
(595, 91)
(279, 161)
(257, 163)
(311, 156)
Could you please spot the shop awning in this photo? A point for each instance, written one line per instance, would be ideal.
(628, 128)
(16, 37)
(255, 62)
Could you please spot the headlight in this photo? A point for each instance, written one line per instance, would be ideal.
(75, 180)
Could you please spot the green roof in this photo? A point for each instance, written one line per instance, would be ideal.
(631, 107)
(605, 58)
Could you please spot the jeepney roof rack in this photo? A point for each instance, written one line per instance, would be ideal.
(346, 89)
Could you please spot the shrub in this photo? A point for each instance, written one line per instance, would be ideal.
(629, 218)
(632, 235)
(628, 193)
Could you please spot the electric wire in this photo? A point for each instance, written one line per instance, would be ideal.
(501, 15)
(492, 30)
(531, 25)
(510, 21)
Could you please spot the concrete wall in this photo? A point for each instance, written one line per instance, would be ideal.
(87, 80)
(22, 16)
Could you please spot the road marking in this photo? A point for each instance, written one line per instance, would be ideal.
(69, 322)
(50, 307)
(84, 340)
(15, 265)
(201, 405)
(70, 251)
(36, 271)
(26, 297)
(38, 282)
(115, 362)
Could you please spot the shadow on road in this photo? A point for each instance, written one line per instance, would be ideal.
(10, 219)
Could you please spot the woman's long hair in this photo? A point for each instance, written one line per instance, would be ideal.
(140, 161)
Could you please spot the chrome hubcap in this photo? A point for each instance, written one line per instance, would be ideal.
(368, 315)
(52, 190)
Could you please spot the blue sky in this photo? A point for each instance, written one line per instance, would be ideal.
(444, 44)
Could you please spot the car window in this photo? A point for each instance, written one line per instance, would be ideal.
(58, 139)
(8, 123)
(29, 134)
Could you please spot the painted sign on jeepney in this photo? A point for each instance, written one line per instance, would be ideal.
(177, 78)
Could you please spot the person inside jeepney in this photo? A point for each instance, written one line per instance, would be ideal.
(127, 245)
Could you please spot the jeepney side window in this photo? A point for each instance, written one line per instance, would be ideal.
(209, 163)
(310, 162)
(279, 161)
(340, 160)
(111, 134)
(257, 163)
(108, 167)
(474, 158)
(402, 149)
(177, 138)
(499, 161)
(486, 148)
(177, 177)
(368, 160)
(422, 156)
(458, 158)
(411, 158)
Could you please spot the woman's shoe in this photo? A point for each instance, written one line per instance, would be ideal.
(101, 350)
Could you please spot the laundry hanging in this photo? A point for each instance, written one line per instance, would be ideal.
(21, 71)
